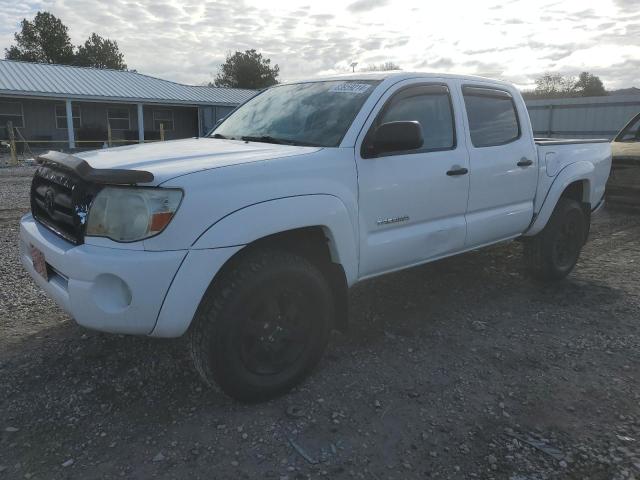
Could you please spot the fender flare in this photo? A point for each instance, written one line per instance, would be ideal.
(575, 172)
(260, 220)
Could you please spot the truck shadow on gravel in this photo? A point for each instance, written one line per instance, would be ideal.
(488, 287)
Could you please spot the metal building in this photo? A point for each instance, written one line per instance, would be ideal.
(582, 117)
(66, 106)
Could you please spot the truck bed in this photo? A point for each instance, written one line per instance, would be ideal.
(556, 154)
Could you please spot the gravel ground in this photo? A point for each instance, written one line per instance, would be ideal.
(460, 369)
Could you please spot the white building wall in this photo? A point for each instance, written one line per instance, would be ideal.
(584, 117)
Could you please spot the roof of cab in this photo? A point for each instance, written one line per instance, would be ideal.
(397, 75)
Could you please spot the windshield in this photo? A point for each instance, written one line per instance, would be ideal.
(631, 132)
(316, 113)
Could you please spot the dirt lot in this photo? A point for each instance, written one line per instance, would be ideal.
(460, 369)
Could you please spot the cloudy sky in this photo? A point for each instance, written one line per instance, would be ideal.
(516, 40)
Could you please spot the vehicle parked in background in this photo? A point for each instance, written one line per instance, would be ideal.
(248, 240)
(623, 188)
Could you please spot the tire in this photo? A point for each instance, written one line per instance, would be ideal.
(553, 253)
(263, 326)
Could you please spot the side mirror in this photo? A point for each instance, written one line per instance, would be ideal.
(394, 137)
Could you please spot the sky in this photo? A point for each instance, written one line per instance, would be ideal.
(514, 40)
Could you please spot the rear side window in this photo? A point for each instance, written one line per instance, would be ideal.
(493, 119)
(430, 106)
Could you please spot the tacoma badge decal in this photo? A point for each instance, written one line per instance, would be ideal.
(387, 221)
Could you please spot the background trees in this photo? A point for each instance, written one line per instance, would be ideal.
(45, 39)
(554, 85)
(589, 85)
(382, 67)
(100, 53)
(248, 69)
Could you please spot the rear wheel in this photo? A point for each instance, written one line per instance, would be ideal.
(554, 252)
(263, 326)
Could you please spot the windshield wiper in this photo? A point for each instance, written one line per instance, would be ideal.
(256, 138)
(278, 141)
(266, 139)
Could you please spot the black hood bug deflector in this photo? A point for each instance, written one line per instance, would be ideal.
(95, 175)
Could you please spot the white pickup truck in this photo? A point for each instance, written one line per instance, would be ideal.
(248, 239)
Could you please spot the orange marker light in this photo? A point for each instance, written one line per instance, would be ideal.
(159, 221)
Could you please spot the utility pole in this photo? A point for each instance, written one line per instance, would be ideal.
(353, 66)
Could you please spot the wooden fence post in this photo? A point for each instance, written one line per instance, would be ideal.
(12, 143)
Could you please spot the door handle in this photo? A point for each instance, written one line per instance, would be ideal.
(525, 162)
(457, 171)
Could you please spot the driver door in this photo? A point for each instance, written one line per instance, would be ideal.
(412, 204)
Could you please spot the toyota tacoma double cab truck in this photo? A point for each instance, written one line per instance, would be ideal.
(248, 239)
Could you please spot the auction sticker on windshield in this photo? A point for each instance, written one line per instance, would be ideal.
(350, 88)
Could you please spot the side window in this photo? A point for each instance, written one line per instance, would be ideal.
(61, 116)
(493, 119)
(11, 112)
(164, 117)
(430, 106)
(118, 118)
(631, 133)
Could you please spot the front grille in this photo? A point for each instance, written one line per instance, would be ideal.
(60, 201)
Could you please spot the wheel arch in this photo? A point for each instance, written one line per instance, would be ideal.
(316, 226)
(574, 181)
(578, 190)
(285, 218)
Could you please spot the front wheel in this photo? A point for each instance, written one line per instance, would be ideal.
(263, 325)
(553, 253)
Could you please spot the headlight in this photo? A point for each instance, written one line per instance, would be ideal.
(127, 214)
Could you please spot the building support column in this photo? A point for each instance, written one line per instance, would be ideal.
(140, 124)
(70, 132)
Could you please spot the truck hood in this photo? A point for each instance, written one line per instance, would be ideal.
(167, 160)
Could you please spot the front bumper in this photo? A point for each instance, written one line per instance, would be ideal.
(107, 289)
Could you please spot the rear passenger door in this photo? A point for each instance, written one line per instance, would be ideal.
(503, 164)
